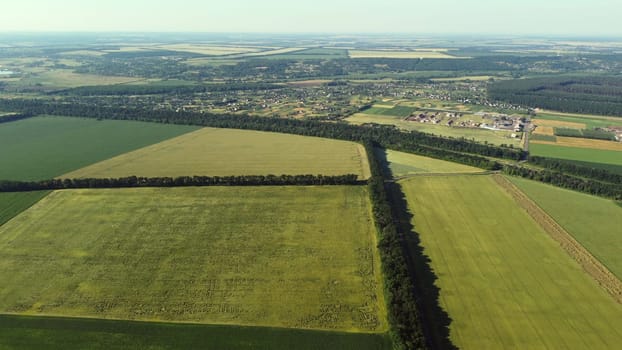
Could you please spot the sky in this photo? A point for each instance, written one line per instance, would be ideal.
(512, 17)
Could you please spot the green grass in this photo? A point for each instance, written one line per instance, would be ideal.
(295, 257)
(402, 164)
(397, 111)
(609, 167)
(480, 135)
(311, 54)
(45, 147)
(575, 153)
(19, 332)
(221, 152)
(541, 137)
(14, 203)
(503, 281)
(593, 221)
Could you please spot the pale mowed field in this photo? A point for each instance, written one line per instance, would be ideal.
(398, 54)
(402, 164)
(503, 281)
(584, 143)
(223, 152)
(300, 257)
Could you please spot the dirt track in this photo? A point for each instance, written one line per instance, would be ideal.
(590, 264)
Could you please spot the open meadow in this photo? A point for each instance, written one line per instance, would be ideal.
(403, 164)
(399, 54)
(295, 257)
(578, 142)
(44, 147)
(591, 220)
(503, 281)
(223, 152)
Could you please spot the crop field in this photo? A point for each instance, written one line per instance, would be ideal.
(396, 111)
(399, 54)
(465, 78)
(503, 281)
(550, 124)
(312, 54)
(210, 50)
(402, 164)
(24, 332)
(64, 78)
(591, 220)
(45, 147)
(14, 203)
(583, 143)
(567, 120)
(221, 152)
(481, 135)
(280, 51)
(538, 148)
(296, 257)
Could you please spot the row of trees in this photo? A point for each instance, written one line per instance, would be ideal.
(559, 179)
(567, 167)
(181, 181)
(454, 149)
(404, 317)
(14, 117)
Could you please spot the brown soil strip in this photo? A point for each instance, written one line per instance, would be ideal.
(599, 272)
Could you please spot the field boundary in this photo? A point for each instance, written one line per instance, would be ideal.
(590, 264)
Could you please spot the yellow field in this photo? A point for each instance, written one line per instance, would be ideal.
(558, 124)
(69, 79)
(398, 54)
(584, 143)
(208, 49)
(402, 164)
(472, 78)
(223, 152)
(545, 130)
(273, 52)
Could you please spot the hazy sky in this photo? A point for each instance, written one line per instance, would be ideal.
(570, 17)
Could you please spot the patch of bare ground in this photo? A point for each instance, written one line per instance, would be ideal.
(599, 272)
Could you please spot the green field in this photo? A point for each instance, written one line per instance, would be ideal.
(480, 135)
(14, 203)
(592, 221)
(221, 152)
(45, 147)
(20, 332)
(503, 281)
(575, 153)
(295, 257)
(402, 164)
(397, 111)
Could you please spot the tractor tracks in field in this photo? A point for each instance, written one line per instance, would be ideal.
(590, 264)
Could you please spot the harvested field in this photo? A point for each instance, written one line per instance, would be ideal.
(223, 152)
(584, 143)
(544, 130)
(308, 83)
(210, 50)
(297, 257)
(399, 54)
(504, 282)
(557, 124)
(402, 164)
(590, 264)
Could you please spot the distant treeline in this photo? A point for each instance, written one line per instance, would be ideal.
(597, 94)
(154, 89)
(181, 181)
(403, 311)
(559, 179)
(453, 149)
